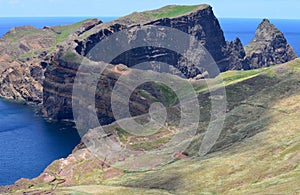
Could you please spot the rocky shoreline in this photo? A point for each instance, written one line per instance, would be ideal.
(39, 66)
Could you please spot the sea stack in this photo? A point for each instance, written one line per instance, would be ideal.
(268, 47)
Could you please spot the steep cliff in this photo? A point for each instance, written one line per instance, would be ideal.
(25, 52)
(22, 51)
(198, 21)
(252, 106)
(268, 47)
(58, 86)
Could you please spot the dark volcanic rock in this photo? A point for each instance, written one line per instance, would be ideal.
(58, 86)
(87, 26)
(60, 75)
(26, 54)
(236, 53)
(268, 47)
(201, 23)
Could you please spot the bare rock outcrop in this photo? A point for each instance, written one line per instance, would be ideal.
(268, 47)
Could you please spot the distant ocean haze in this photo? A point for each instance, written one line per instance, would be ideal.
(232, 27)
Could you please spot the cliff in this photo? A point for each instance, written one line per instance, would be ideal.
(260, 135)
(25, 53)
(255, 111)
(22, 51)
(198, 21)
(268, 47)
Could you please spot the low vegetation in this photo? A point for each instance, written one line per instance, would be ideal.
(64, 31)
(173, 11)
(261, 138)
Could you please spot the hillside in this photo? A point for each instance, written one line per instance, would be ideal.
(257, 151)
(261, 155)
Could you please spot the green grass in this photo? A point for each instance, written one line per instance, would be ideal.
(72, 57)
(169, 96)
(237, 76)
(19, 33)
(166, 95)
(230, 78)
(122, 134)
(30, 54)
(173, 11)
(261, 135)
(66, 30)
(150, 145)
(263, 163)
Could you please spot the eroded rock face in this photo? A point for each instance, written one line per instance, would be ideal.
(25, 53)
(236, 53)
(268, 47)
(87, 26)
(22, 54)
(201, 23)
(31, 72)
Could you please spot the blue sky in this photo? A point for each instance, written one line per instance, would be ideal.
(288, 9)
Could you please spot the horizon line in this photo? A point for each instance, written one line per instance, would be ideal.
(122, 16)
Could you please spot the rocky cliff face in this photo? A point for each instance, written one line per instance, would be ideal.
(200, 23)
(23, 57)
(25, 52)
(236, 53)
(25, 79)
(33, 70)
(268, 47)
(58, 86)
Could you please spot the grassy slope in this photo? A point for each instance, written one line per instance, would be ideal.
(172, 11)
(66, 30)
(266, 163)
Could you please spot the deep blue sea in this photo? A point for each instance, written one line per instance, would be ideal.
(28, 143)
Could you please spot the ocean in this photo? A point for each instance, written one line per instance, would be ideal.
(28, 143)
(245, 30)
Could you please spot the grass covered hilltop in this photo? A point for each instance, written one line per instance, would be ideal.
(258, 151)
